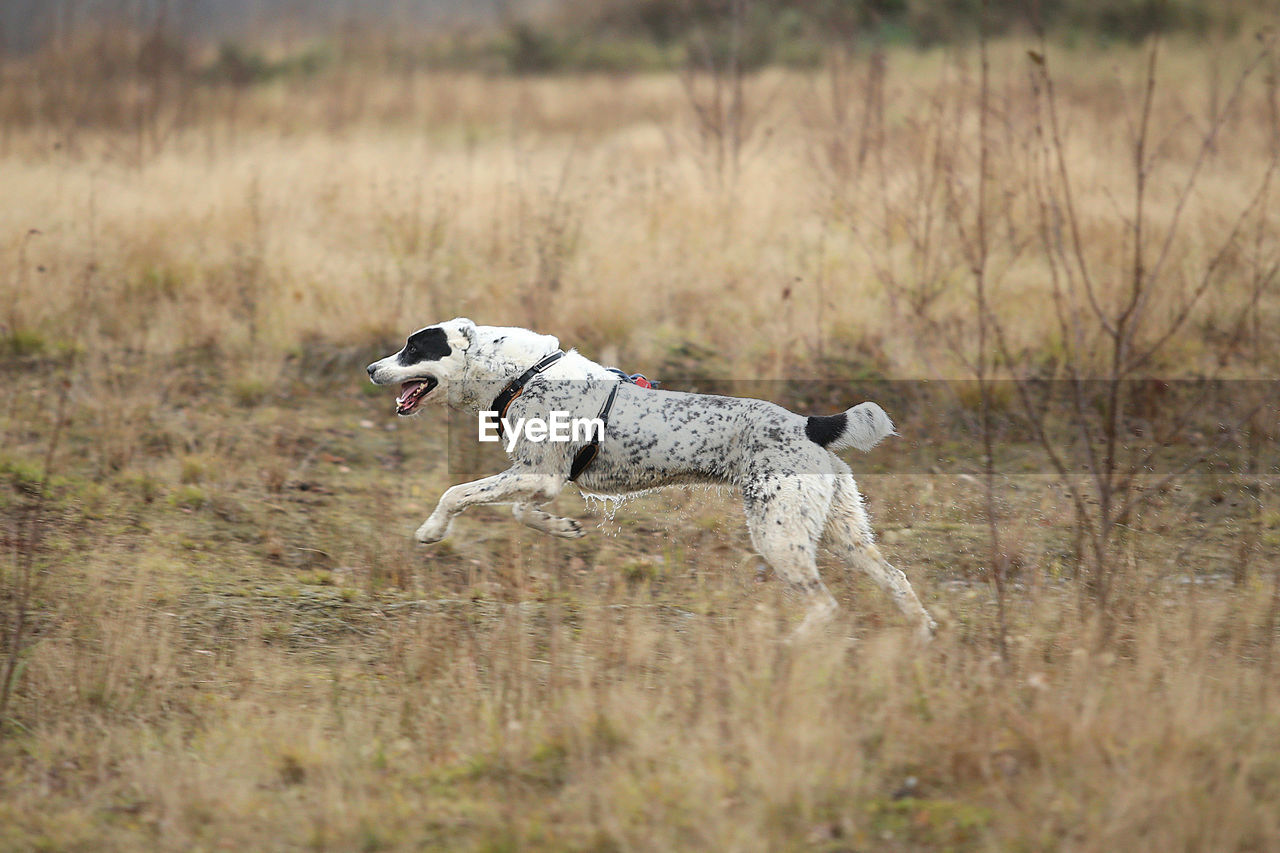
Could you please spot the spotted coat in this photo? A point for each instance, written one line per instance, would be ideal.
(796, 492)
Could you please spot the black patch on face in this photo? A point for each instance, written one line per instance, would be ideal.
(430, 344)
(824, 429)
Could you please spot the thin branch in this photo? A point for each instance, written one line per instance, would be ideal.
(1059, 148)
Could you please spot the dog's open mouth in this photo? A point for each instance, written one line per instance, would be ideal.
(412, 392)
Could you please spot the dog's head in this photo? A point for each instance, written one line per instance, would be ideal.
(431, 356)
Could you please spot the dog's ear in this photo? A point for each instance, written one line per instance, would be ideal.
(462, 333)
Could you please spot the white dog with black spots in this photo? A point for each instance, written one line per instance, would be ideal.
(797, 492)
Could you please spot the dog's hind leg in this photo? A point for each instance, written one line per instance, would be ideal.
(784, 516)
(529, 515)
(849, 537)
(512, 485)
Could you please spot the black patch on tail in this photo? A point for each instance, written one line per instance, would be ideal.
(824, 429)
(429, 344)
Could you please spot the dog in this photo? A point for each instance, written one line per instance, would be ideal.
(796, 491)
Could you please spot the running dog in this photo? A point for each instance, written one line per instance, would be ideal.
(796, 491)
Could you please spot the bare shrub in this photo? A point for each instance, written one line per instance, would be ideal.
(1081, 390)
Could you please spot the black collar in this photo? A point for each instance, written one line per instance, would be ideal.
(516, 386)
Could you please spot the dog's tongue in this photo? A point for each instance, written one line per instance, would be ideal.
(406, 391)
(412, 393)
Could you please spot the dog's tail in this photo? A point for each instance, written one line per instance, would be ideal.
(864, 426)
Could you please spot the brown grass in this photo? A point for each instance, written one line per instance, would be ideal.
(234, 645)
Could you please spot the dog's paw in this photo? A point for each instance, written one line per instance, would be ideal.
(432, 530)
(567, 528)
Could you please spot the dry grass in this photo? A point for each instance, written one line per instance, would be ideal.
(234, 645)
(306, 209)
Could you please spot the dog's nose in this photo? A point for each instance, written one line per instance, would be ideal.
(371, 368)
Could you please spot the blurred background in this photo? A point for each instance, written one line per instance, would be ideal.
(621, 34)
(272, 173)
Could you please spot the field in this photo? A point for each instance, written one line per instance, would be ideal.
(218, 634)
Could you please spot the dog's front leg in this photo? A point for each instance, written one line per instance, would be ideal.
(541, 520)
(510, 486)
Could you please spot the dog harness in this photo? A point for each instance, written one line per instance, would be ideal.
(516, 387)
(634, 378)
(585, 456)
